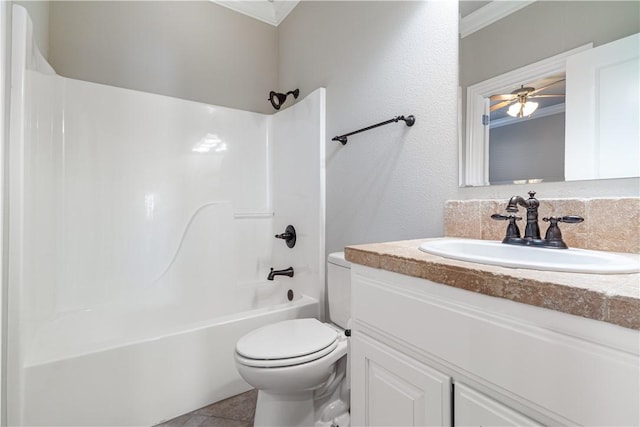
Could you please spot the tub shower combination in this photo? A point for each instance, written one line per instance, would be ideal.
(141, 236)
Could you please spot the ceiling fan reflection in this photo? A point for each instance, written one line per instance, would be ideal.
(519, 101)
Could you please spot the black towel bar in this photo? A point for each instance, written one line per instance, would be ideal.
(409, 120)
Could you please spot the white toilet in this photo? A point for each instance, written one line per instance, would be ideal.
(300, 366)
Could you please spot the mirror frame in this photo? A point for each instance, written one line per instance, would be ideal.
(477, 134)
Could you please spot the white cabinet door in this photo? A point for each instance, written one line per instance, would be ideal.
(602, 136)
(391, 389)
(472, 408)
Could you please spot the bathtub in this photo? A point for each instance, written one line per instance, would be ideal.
(131, 368)
(139, 226)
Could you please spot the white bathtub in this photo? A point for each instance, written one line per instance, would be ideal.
(119, 368)
(135, 220)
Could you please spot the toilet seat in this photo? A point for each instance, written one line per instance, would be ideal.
(298, 341)
(290, 361)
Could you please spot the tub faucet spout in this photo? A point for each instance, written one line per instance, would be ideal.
(286, 272)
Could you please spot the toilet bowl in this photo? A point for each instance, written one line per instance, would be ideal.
(294, 365)
(299, 366)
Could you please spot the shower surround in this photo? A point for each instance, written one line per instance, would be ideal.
(141, 235)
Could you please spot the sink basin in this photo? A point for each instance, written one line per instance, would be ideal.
(513, 256)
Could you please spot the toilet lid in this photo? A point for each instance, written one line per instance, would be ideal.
(286, 339)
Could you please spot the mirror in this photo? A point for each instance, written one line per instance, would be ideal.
(517, 53)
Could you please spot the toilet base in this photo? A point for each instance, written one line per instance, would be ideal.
(284, 410)
(327, 406)
(334, 411)
(277, 410)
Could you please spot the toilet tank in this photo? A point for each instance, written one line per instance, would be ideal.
(339, 289)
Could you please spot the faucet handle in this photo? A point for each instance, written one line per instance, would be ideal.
(500, 217)
(569, 219)
(513, 232)
(553, 235)
(289, 236)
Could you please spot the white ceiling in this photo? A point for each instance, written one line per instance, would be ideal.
(270, 11)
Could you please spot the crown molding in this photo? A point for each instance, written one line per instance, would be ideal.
(489, 14)
(272, 12)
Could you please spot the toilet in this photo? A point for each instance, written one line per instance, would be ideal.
(299, 366)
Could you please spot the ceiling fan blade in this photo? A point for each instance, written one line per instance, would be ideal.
(502, 97)
(501, 105)
(545, 87)
(547, 96)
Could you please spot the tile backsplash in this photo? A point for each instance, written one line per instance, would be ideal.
(610, 224)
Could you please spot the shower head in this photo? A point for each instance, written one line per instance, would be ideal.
(277, 99)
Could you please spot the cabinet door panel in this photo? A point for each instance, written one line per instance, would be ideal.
(392, 389)
(392, 400)
(472, 408)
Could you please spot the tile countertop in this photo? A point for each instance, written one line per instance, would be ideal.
(613, 298)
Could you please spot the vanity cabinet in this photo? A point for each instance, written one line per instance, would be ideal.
(424, 353)
(393, 389)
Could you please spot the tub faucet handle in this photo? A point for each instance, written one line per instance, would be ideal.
(289, 236)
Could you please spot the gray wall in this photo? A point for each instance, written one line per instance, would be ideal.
(538, 31)
(378, 60)
(194, 50)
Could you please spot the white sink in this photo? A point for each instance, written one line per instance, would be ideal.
(504, 255)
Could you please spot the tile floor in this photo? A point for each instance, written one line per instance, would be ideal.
(236, 411)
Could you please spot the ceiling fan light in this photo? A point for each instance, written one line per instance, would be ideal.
(522, 110)
(529, 107)
(514, 110)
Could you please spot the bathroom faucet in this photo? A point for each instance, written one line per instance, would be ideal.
(552, 238)
(532, 230)
(286, 272)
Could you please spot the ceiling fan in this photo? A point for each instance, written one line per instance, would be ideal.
(519, 100)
